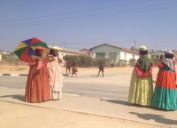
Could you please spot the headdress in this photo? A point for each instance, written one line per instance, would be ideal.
(143, 48)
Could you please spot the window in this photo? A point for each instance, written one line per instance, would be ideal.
(100, 55)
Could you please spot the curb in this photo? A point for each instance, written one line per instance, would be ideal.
(12, 74)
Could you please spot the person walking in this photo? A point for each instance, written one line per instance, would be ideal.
(101, 69)
(165, 96)
(55, 76)
(141, 85)
(68, 67)
(37, 87)
(74, 69)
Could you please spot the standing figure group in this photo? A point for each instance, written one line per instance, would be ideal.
(141, 86)
(71, 68)
(44, 80)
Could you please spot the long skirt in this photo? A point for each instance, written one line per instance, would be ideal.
(141, 90)
(165, 96)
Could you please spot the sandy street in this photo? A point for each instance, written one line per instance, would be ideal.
(13, 115)
(23, 116)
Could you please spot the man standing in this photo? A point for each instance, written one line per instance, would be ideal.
(101, 69)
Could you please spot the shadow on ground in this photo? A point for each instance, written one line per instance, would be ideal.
(18, 97)
(122, 102)
(156, 118)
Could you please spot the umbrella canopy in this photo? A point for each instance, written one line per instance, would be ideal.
(26, 49)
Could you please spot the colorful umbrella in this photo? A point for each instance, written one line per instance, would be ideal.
(27, 48)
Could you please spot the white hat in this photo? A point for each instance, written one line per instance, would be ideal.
(169, 51)
(143, 48)
(56, 48)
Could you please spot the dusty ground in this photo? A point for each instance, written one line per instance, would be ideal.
(14, 69)
(23, 116)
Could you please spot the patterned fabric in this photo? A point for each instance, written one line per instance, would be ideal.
(141, 90)
(165, 96)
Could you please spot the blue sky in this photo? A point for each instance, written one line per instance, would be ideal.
(80, 24)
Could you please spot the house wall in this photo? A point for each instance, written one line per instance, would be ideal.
(108, 53)
(136, 57)
(0, 57)
(156, 55)
(127, 56)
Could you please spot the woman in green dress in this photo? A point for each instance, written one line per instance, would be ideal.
(141, 85)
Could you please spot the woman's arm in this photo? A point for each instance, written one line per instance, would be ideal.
(32, 61)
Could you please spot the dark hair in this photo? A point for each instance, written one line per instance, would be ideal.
(161, 57)
(38, 52)
(168, 55)
(53, 52)
(143, 52)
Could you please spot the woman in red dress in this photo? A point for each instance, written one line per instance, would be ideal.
(165, 96)
(37, 87)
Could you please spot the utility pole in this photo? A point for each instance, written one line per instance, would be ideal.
(65, 44)
(135, 43)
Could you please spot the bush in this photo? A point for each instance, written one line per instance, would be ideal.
(105, 62)
(122, 63)
(132, 62)
(11, 59)
(83, 61)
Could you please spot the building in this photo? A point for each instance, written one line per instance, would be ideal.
(64, 51)
(114, 53)
(155, 55)
(88, 52)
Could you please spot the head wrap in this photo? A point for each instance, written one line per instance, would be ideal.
(168, 51)
(169, 61)
(143, 48)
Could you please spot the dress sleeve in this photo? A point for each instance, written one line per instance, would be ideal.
(32, 61)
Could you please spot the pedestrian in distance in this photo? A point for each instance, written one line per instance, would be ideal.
(101, 69)
(68, 67)
(74, 69)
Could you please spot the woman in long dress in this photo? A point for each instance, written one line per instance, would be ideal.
(141, 86)
(37, 87)
(164, 96)
(55, 76)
